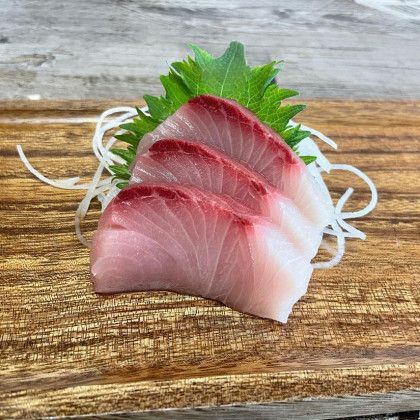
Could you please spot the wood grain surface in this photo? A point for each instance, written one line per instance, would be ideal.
(351, 346)
(107, 48)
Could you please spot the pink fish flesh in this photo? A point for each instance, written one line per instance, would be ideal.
(187, 163)
(182, 239)
(231, 128)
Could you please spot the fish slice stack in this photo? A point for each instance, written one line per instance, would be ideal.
(218, 206)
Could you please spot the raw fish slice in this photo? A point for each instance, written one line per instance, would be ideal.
(182, 239)
(182, 162)
(233, 129)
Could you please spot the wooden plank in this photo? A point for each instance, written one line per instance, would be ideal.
(314, 409)
(96, 49)
(353, 337)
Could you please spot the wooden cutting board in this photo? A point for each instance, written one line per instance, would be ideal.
(351, 346)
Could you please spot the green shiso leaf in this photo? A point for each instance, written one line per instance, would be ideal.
(121, 171)
(308, 159)
(227, 76)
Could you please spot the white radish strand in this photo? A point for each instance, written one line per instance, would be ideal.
(321, 136)
(105, 189)
(84, 205)
(352, 232)
(101, 152)
(339, 252)
(373, 191)
(68, 183)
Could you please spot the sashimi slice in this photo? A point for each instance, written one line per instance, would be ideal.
(182, 239)
(182, 162)
(231, 128)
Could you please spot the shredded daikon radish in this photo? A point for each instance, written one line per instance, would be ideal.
(339, 252)
(67, 184)
(84, 205)
(105, 189)
(321, 136)
(339, 227)
(101, 152)
(374, 193)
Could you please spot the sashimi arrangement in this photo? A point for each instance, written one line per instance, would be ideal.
(218, 192)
